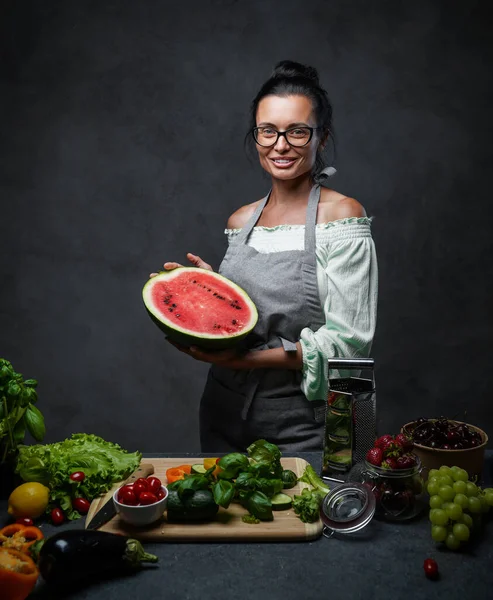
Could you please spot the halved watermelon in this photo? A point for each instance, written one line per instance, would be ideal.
(198, 307)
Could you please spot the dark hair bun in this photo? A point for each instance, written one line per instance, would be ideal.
(288, 69)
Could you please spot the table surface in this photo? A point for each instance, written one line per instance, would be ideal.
(383, 561)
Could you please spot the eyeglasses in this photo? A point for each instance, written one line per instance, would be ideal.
(296, 136)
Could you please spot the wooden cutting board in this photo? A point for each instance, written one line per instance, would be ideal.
(227, 525)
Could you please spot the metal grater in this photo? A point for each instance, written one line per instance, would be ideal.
(350, 419)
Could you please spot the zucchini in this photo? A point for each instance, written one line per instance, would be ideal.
(198, 469)
(281, 501)
(199, 506)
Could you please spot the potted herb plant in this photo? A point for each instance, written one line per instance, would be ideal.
(18, 414)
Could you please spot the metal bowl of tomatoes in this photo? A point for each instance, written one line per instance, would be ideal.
(142, 502)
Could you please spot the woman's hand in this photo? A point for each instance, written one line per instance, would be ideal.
(195, 260)
(225, 358)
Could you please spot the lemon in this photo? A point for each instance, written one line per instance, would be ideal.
(28, 500)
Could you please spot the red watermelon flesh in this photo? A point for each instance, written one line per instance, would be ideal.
(195, 306)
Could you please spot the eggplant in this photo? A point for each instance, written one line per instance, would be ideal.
(78, 554)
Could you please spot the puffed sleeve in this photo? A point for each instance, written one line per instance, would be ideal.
(351, 277)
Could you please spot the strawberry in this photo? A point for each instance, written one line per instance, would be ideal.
(383, 440)
(405, 442)
(374, 456)
(389, 463)
(407, 461)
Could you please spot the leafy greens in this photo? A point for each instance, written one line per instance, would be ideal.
(103, 463)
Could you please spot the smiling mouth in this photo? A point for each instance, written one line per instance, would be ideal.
(283, 162)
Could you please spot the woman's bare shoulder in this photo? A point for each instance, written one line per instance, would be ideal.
(240, 217)
(334, 206)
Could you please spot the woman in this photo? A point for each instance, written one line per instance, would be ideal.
(305, 256)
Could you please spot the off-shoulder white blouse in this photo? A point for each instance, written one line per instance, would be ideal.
(347, 274)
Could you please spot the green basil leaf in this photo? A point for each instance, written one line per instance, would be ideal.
(14, 389)
(269, 486)
(246, 481)
(32, 383)
(189, 485)
(19, 430)
(259, 506)
(35, 422)
(224, 492)
(231, 464)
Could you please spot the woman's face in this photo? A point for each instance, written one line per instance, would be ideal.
(282, 160)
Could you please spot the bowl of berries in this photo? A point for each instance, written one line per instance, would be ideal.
(447, 442)
(142, 502)
(393, 473)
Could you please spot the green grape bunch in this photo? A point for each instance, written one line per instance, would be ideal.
(456, 505)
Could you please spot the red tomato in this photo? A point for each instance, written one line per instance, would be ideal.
(161, 494)
(125, 488)
(139, 489)
(82, 505)
(143, 481)
(57, 516)
(128, 497)
(431, 568)
(154, 484)
(147, 498)
(78, 476)
(25, 521)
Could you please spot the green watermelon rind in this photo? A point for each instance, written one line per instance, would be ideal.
(186, 337)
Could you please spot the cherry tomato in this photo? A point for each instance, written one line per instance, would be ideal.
(431, 568)
(82, 505)
(25, 521)
(139, 489)
(153, 484)
(128, 497)
(143, 481)
(57, 516)
(161, 494)
(78, 476)
(128, 487)
(147, 498)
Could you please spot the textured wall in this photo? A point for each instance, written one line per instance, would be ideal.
(121, 147)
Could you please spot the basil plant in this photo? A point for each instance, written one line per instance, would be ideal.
(18, 412)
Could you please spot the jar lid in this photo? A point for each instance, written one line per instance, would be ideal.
(347, 508)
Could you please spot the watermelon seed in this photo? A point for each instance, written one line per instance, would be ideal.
(173, 305)
(170, 309)
(234, 321)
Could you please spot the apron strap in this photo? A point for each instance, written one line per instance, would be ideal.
(311, 219)
(247, 229)
(311, 215)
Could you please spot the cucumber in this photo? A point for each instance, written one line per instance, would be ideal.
(198, 469)
(281, 501)
(289, 479)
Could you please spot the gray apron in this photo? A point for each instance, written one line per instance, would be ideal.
(240, 406)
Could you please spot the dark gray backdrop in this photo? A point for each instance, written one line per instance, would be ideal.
(121, 147)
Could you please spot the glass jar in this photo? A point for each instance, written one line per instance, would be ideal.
(399, 493)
